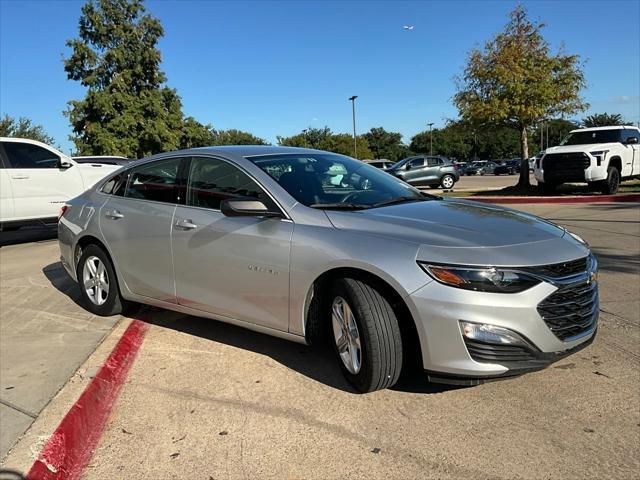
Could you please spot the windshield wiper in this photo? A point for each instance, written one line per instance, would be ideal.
(396, 200)
(340, 206)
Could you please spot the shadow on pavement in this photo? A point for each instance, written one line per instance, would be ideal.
(316, 362)
(608, 261)
(28, 234)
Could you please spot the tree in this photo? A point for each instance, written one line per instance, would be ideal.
(236, 137)
(325, 139)
(386, 144)
(453, 141)
(553, 132)
(128, 109)
(515, 81)
(23, 128)
(603, 120)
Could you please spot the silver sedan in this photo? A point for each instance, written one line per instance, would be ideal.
(308, 245)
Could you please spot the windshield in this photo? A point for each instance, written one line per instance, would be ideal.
(333, 181)
(592, 136)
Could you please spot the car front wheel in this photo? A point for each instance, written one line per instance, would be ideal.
(98, 283)
(366, 335)
(611, 184)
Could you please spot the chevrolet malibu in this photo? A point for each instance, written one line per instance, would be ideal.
(270, 239)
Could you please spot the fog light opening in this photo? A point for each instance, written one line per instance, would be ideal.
(482, 332)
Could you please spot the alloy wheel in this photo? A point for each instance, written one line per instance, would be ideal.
(346, 335)
(95, 280)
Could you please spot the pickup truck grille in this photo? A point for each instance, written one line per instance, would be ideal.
(571, 310)
(565, 166)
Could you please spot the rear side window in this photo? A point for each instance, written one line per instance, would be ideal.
(434, 161)
(116, 185)
(212, 180)
(26, 155)
(156, 181)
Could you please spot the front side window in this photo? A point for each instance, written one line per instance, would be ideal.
(212, 180)
(416, 163)
(116, 185)
(27, 155)
(334, 181)
(156, 181)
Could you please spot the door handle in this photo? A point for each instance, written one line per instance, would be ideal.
(186, 224)
(20, 177)
(113, 214)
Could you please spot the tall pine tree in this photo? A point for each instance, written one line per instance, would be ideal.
(128, 109)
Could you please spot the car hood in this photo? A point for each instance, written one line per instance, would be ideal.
(590, 147)
(466, 232)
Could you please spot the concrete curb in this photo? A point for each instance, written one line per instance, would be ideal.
(631, 197)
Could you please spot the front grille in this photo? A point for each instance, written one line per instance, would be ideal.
(571, 310)
(565, 166)
(485, 352)
(559, 270)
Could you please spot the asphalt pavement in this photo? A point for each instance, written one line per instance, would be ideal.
(209, 400)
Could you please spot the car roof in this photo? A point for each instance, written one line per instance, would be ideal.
(253, 150)
(613, 127)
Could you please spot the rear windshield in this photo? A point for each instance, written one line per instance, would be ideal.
(593, 136)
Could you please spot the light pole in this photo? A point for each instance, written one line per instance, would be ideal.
(353, 111)
(304, 132)
(430, 139)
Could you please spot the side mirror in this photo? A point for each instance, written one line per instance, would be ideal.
(64, 165)
(632, 140)
(247, 207)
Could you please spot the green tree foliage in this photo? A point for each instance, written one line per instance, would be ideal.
(236, 137)
(452, 141)
(515, 81)
(386, 144)
(325, 139)
(603, 120)
(23, 128)
(556, 130)
(128, 109)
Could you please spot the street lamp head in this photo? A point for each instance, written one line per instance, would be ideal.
(353, 98)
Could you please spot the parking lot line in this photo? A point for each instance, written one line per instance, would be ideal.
(68, 451)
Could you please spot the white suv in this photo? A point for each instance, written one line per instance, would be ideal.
(601, 157)
(36, 180)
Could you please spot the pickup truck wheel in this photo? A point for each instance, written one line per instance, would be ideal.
(447, 181)
(611, 184)
(98, 282)
(366, 335)
(547, 188)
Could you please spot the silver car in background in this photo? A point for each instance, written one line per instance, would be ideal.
(308, 245)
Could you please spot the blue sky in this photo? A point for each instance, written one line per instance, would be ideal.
(274, 68)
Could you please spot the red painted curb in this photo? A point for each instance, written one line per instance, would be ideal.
(585, 199)
(68, 451)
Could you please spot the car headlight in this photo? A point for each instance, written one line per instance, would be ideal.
(599, 155)
(578, 238)
(487, 279)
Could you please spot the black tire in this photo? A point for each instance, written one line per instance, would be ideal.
(612, 183)
(379, 333)
(113, 303)
(444, 179)
(547, 188)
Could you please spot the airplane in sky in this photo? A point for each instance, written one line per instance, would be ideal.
(408, 27)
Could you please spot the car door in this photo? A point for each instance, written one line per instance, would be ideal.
(136, 224)
(631, 162)
(236, 267)
(414, 170)
(6, 195)
(40, 184)
(432, 173)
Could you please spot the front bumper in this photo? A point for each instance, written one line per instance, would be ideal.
(448, 356)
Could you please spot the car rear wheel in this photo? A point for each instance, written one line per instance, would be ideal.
(611, 184)
(447, 181)
(366, 335)
(98, 283)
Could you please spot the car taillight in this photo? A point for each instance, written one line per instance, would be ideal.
(62, 211)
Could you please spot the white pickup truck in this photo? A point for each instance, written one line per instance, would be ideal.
(601, 157)
(36, 180)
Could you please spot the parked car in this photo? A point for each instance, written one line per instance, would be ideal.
(382, 164)
(104, 159)
(431, 171)
(36, 180)
(507, 167)
(602, 157)
(462, 168)
(481, 167)
(390, 275)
